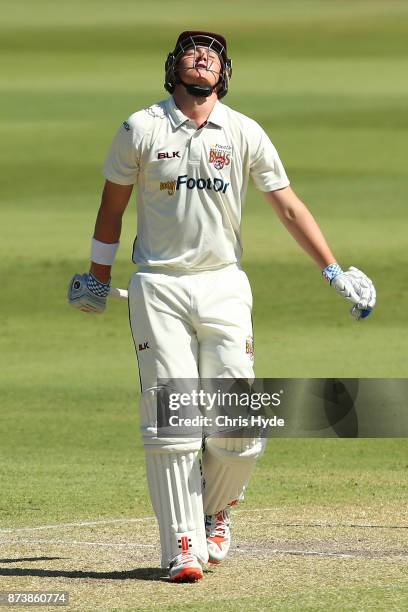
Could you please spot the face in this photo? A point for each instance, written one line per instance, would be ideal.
(199, 66)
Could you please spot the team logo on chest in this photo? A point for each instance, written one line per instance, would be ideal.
(220, 156)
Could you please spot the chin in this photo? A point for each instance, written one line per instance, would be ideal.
(197, 77)
(203, 82)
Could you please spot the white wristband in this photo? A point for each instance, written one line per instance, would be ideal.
(103, 253)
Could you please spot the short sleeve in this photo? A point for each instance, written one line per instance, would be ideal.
(122, 163)
(266, 167)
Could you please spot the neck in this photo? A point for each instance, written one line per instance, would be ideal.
(195, 108)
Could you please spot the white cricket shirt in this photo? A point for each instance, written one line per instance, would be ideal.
(191, 183)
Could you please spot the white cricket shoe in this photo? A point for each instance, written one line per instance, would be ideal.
(217, 529)
(185, 567)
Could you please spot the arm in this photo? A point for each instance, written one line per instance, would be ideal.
(108, 224)
(88, 292)
(353, 284)
(299, 221)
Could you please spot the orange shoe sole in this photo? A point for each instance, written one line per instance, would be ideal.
(188, 575)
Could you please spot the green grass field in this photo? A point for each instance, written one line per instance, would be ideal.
(327, 80)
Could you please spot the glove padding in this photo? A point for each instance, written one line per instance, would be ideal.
(88, 294)
(357, 288)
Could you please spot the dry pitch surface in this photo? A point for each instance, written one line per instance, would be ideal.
(331, 560)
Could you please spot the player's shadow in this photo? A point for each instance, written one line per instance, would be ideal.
(19, 559)
(141, 573)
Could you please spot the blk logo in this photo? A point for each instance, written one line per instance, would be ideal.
(144, 346)
(168, 155)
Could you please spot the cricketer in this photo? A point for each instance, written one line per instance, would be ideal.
(191, 157)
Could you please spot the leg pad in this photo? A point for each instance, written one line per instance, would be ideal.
(174, 478)
(227, 467)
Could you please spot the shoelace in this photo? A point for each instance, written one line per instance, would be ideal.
(182, 559)
(221, 520)
(185, 557)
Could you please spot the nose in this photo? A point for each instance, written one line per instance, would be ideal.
(202, 52)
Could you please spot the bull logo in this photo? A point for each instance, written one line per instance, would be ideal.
(219, 158)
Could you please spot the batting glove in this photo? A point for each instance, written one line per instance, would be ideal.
(355, 287)
(88, 294)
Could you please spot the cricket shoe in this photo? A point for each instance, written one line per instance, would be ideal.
(218, 532)
(185, 567)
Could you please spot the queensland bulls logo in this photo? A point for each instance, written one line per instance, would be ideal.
(220, 156)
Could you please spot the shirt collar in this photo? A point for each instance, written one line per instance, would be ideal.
(217, 115)
(176, 116)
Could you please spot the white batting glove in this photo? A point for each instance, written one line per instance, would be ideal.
(355, 287)
(87, 293)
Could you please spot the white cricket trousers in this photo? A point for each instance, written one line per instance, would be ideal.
(191, 325)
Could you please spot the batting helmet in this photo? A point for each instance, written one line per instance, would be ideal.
(188, 40)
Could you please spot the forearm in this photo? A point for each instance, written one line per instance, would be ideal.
(108, 224)
(308, 235)
(108, 228)
(301, 224)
